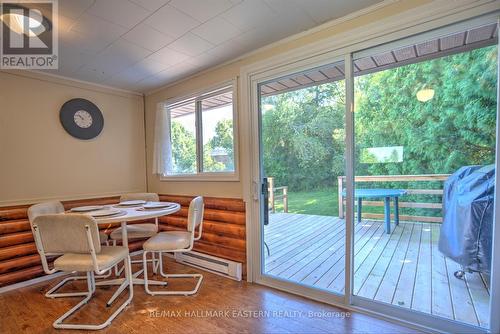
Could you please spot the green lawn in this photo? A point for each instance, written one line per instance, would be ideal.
(324, 202)
(317, 202)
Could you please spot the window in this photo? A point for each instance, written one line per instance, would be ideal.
(201, 135)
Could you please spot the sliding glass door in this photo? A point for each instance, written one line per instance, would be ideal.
(376, 178)
(302, 133)
(425, 136)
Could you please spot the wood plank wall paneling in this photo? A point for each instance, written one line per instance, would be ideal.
(223, 233)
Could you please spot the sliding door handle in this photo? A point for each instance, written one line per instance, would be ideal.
(265, 200)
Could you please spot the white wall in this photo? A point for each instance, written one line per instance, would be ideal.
(39, 160)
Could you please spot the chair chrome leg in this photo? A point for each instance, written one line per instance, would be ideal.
(199, 278)
(58, 322)
(145, 271)
(51, 293)
(105, 276)
(153, 261)
(91, 283)
(118, 271)
(110, 270)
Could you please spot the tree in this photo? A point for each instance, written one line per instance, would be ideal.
(303, 133)
(183, 149)
(455, 128)
(221, 142)
(303, 136)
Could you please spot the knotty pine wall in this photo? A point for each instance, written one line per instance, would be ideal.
(223, 234)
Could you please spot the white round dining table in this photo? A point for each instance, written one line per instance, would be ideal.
(130, 214)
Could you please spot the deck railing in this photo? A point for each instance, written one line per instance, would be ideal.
(402, 204)
(273, 196)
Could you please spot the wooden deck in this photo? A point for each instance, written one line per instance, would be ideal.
(404, 268)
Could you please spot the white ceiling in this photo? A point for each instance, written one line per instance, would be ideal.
(140, 45)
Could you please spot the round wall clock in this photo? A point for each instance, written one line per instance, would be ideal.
(81, 118)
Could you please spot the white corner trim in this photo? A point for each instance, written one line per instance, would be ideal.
(67, 81)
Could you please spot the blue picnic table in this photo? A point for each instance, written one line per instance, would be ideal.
(386, 194)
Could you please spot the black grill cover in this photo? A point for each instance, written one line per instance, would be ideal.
(466, 232)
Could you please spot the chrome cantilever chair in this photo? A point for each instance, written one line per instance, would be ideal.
(137, 231)
(55, 207)
(76, 237)
(173, 242)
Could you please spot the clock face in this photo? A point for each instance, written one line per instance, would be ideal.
(83, 119)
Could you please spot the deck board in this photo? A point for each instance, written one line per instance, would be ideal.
(325, 251)
(283, 252)
(422, 291)
(290, 264)
(334, 263)
(465, 312)
(370, 283)
(363, 269)
(441, 297)
(387, 287)
(337, 284)
(406, 281)
(404, 268)
(480, 297)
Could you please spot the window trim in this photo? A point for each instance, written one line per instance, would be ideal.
(197, 97)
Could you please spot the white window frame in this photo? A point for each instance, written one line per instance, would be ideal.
(197, 97)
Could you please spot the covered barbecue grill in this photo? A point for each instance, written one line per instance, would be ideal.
(466, 232)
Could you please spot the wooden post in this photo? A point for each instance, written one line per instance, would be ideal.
(271, 193)
(341, 197)
(285, 199)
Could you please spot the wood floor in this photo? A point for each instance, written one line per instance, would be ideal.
(404, 268)
(221, 306)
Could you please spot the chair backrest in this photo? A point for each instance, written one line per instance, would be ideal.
(148, 197)
(45, 208)
(67, 233)
(195, 214)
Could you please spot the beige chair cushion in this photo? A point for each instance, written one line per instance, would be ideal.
(166, 241)
(45, 208)
(67, 233)
(195, 213)
(148, 197)
(108, 257)
(136, 231)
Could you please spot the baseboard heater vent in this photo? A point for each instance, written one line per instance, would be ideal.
(212, 264)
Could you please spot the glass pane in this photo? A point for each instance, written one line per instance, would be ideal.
(183, 139)
(425, 145)
(218, 139)
(303, 149)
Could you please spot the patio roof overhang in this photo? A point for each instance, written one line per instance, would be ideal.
(438, 47)
(434, 48)
(217, 101)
